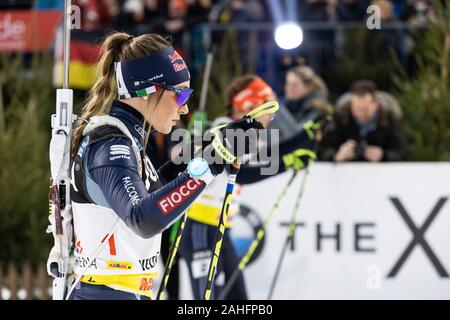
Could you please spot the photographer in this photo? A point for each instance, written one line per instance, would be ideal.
(364, 130)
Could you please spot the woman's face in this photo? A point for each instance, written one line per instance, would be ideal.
(295, 88)
(167, 111)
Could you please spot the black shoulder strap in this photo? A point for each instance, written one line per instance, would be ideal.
(105, 132)
(96, 135)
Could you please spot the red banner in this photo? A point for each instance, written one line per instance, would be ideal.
(28, 30)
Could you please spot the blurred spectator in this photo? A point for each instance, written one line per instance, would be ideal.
(198, 11)
(199, 33)
(176, 16)
(140, 16)
(226, 11)
(240, 11)
(153, 9)
(394, 36)
(399, 7)
(318, 43)
(95, 14)
(114, 9)
(131, 13)
(418, 13)
(352, 10)
(316, 10)
(176, 22)
(304, 90)
(364, 130)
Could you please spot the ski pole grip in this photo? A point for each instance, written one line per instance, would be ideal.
(234, 168)
(268, 107)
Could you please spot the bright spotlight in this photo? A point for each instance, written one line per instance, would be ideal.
(288, 35)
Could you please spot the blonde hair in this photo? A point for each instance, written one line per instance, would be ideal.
(310, 78)
(118, 46)
(386, 8)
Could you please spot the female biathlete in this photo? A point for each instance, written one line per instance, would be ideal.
(244, 94)
(121, 204)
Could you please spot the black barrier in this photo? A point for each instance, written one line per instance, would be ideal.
(258, 309)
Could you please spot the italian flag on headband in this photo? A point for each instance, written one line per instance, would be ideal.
(146, 91)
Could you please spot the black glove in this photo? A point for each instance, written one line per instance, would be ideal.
(212, 151)
(316, 124)
(237, 139)
(245, 124)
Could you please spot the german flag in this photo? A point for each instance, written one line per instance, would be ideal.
(84, 54)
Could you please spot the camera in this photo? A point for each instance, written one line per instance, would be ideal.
(360, 149)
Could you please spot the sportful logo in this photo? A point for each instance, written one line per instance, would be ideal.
(119, 149)
(119, 152)
(178, 196)
(177, 66)
(158, 76)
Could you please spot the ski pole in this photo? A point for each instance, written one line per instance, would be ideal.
(310, 128)
(220, 231)
(261, 232)
(266, 108)
(291, 229)
(173, 253)
(256, 242)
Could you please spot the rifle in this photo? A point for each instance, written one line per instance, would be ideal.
(59, 196)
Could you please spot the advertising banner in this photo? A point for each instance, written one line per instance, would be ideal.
(28, 30)
(363, 231)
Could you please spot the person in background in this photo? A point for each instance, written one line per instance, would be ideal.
(394, 36)
(319, 42)
(244, 94)
(197, 19)
(94, 14)
(352, 10)
(140, 16)
(418, 13)
(176, 22)
(304, 90)
(363, 130)
(239, 11)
